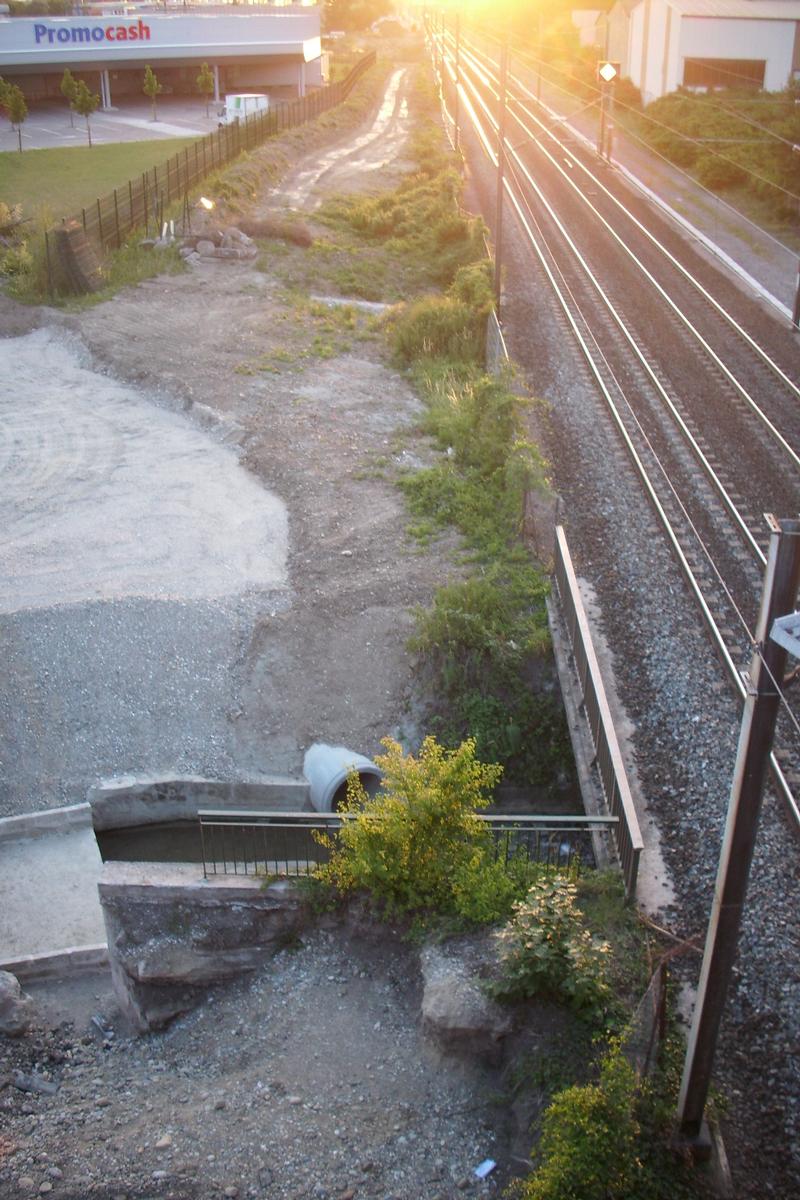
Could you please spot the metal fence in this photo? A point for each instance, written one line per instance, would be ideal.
(608, 758)
(142, 202)
(644, 1040)
(287, 844)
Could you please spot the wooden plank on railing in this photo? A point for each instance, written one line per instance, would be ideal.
(604, 736)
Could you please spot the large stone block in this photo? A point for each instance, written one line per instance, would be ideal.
(172, 934)
(16, 1007)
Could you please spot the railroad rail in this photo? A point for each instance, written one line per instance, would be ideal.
(708, 502)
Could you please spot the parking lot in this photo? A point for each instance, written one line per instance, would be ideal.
(52, 124)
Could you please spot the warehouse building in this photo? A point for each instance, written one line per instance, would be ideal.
(269, 49)
(666, 44)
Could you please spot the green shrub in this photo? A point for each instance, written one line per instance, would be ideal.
(590, 1143)
(718, 174)
(546, 950)
(438, 327)
(610, 1140)
(417, 846)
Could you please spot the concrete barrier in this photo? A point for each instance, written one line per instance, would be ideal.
(58, 964)
(50, 820)
(145, 800)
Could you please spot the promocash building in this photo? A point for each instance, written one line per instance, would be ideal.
(276, 49)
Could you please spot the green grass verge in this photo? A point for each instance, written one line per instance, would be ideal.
(63, 181)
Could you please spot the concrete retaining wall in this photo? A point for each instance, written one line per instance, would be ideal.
(51, 820)
(120, 803)
(172, 934)
(62, 964)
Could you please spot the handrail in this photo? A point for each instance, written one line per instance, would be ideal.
(245, 842)
(608, 757)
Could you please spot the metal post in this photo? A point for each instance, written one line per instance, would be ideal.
(762, 702)
(116, 218)
(49, 267)
(610, 121)
(501, 156)
(457, 65)
(796, 310)
(601, 132)
(538, 56)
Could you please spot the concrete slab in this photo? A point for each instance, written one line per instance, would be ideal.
(48, 893)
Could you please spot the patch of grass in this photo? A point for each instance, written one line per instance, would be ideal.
(313, 330)
(420, 221)
(66, 179)
(477, 643)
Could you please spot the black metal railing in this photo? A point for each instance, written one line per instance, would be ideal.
(287, 844)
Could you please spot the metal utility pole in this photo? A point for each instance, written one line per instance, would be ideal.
(762, 702)
(601, 131)
(457, 66)
(538, 56)
(796, 309)
(610, 121)
(501, 160)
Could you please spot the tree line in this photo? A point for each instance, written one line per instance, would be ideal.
(83, 101)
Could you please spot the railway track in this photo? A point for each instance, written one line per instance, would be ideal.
(680, 395)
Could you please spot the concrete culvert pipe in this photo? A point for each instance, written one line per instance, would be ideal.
(327, 767)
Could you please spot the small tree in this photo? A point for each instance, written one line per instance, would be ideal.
(17, 109)
(69, 88)
(205, 83)
(151, 88)
(85, 103)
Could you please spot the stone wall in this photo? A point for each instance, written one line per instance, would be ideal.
(172, 934)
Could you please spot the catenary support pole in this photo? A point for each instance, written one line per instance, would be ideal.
(501, 160)
(457, 72)
(755, 741)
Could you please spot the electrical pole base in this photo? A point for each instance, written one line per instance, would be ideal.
(698, 1146)
(706, 1152)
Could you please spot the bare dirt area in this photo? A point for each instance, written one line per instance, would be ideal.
(127, 678)
(314, 1078)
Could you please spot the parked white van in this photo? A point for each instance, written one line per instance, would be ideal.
(241, 105)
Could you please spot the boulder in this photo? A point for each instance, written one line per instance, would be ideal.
(235, 237)
(456, 1010)
(16, 1008)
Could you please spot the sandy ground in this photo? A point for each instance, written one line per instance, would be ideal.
(155, 618)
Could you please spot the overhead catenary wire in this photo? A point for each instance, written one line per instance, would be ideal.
(512, 151)
(654, 121)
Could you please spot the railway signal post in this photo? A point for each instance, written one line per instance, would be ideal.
(607, 72)
(762, 702)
